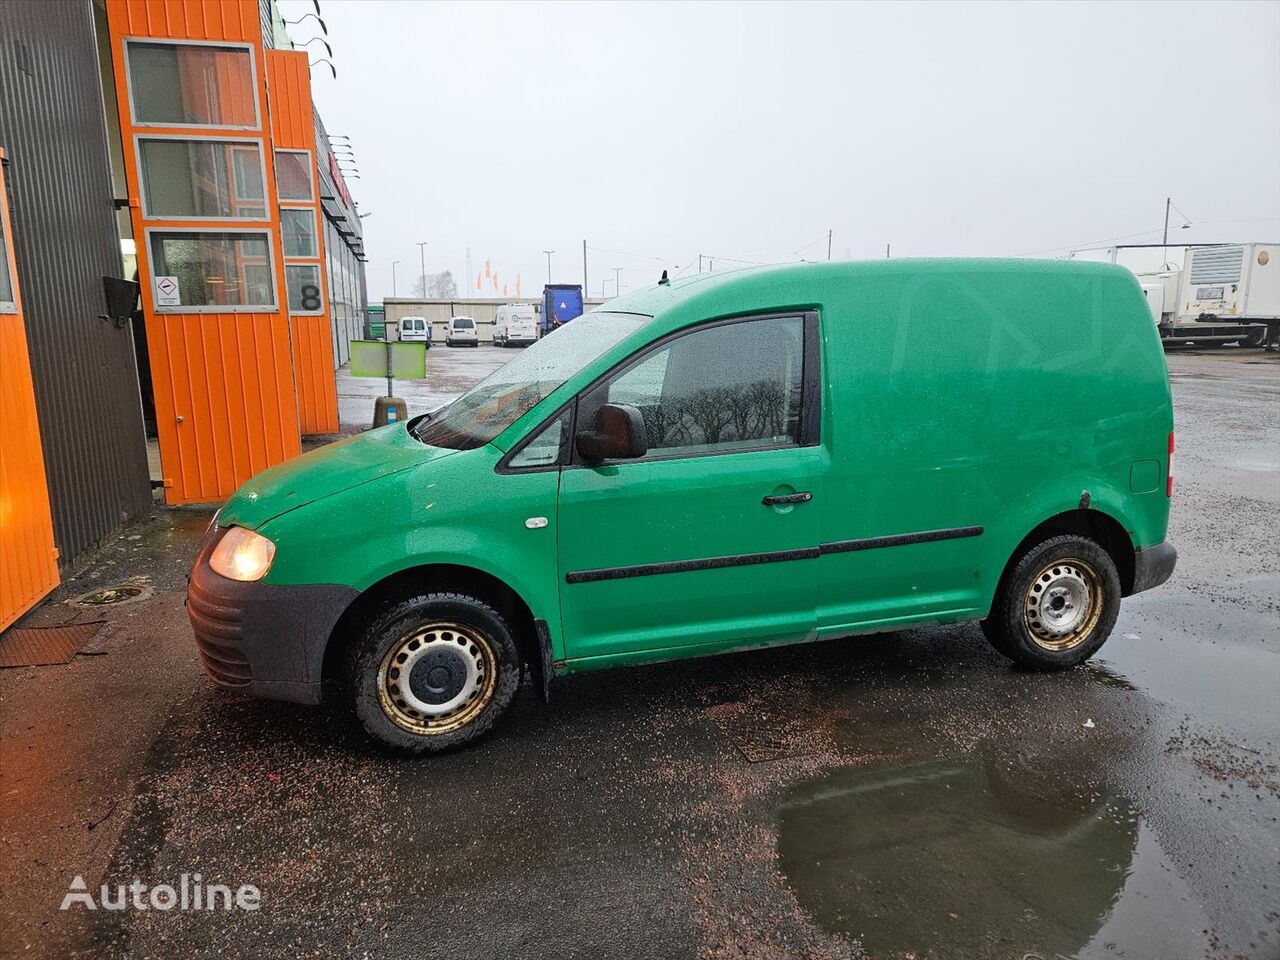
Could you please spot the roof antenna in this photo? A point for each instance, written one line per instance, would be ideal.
(664, 279)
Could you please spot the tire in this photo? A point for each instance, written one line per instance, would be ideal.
(1056, 606)
(1256, 338)
(463, 674)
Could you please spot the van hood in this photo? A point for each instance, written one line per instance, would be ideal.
(324, 472)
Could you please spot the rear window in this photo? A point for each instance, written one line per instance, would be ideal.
(463, 323)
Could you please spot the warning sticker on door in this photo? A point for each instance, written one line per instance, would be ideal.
(167, 294)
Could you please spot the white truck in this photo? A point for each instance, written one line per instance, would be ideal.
(515, 325)
(1206, 293)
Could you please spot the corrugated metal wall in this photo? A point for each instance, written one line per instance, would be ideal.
(65, 241)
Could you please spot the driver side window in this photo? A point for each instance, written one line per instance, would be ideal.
(718, 389)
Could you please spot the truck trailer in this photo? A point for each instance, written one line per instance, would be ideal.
(561, 302)
(1205, 293)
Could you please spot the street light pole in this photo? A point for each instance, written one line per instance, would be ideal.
(393, 277)
(548, 253)
(422, 254)
(617, 281)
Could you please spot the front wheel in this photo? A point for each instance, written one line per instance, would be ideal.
(1057, 605)
(433, 672)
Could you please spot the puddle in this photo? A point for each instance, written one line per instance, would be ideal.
(974, 859)
(107, 596)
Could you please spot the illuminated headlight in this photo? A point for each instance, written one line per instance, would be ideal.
(242, 555)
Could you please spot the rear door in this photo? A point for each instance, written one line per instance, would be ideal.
(710, 540)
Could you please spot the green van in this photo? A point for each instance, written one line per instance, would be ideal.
(715, 463)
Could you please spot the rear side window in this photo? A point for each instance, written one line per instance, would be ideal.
(463, 323)
(719, 389)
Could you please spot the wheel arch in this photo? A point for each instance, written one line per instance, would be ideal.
(447, 577)
(1098, 526)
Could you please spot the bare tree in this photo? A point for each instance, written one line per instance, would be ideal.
(436, 286)
(442, 285)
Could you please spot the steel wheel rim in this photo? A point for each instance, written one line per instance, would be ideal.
(437, 678)
(1063, 604)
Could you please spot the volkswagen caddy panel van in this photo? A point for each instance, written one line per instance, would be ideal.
(720, 462)
(415, 330)
(461, 330)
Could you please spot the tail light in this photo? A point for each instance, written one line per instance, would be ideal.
(1168, 483)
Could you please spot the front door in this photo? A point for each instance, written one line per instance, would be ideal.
(710, 539)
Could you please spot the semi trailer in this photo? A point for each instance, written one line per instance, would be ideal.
(1205, 293)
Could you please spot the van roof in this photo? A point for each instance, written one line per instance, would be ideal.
(799, 284)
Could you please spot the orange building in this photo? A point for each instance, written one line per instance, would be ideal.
(196, 122)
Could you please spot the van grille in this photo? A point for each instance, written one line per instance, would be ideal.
(1218, 265)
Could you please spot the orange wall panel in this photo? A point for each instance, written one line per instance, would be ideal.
(236, 20)
(289, 86)
(314, 374)
(28, 558)
(293, 127)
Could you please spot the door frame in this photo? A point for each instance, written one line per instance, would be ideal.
(810, 396)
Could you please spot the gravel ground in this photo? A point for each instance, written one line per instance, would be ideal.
(905, 795)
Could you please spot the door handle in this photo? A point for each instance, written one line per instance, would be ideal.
(775, 501)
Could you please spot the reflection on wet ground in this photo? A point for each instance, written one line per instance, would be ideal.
(974, 858)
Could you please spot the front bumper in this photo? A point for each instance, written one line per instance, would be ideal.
(265, 639)
(1153, 566)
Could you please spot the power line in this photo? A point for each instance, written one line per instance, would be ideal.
(1089, 243)
(637, 256)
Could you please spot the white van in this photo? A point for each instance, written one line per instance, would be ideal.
(415, 330)
(461, 330)
(516, 325)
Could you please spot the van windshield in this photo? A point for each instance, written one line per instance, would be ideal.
(512, 390)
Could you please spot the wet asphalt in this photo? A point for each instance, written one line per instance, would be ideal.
(903, 795)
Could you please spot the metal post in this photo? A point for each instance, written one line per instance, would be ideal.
(386, 335)
(393, 277)
(1168, 202)
(617, 281)
(585, 285)
(548, 253)
(422, 252)
(699, 263)
(828, 244)
(886, 251)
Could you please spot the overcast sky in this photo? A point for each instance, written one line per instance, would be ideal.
(747, 130)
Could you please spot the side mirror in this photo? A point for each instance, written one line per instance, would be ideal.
(618, 435)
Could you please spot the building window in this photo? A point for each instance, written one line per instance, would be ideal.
(8, 304)
(195, 270)
(303, 281)
(293, 175)
(191, 84)
(299, 227)
(185, 179)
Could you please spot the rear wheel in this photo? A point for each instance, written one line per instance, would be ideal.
(1257, 336)
(1057, 605)
(433, 672)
